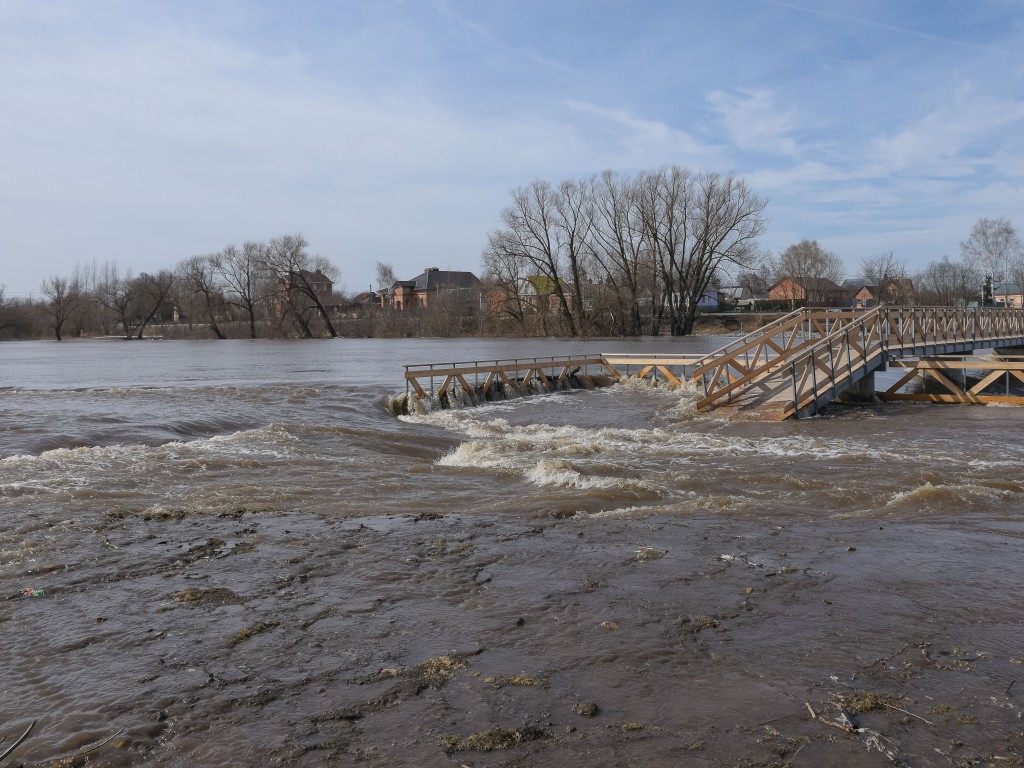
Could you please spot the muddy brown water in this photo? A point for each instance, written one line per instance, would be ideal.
(232, 554)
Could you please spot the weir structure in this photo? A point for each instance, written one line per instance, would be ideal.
(792, 367)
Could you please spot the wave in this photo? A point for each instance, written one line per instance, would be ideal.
(951, 497)
(66, 470)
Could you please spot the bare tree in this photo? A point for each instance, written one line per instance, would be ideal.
(948, 283)
(619, 248)
(198, 279)
(994, 249)
(154, 290)
(63, 295)
(119, 294)
(888, 275)
(815, 270)
(531, 237)
(697, 226)
(304, 283)
(244, 273)
(759, 275)
(385, 276)
(505, 270)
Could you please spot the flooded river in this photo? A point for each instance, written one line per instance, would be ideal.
(232, 553)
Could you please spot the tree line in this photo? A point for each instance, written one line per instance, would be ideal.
(269, 289)
(610, 254)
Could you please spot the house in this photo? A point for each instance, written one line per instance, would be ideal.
(299, 288)
(737, 297)
(541, 292)
(809, 292)
(858, 294)
(429, 285)
(708, 301)
(1008, 294)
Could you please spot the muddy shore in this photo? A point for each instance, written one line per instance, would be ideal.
(265, 638)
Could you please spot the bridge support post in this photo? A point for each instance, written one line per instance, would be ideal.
(862, 391)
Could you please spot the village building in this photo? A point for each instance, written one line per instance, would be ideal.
(1010, 295)
(810, 292)
(431, 284)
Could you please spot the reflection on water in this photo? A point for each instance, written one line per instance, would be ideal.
(231, 542)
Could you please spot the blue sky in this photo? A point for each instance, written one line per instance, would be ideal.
(145, 131)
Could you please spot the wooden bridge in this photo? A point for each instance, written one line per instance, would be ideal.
(791, 367)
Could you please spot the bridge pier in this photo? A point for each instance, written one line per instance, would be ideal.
(862, 391)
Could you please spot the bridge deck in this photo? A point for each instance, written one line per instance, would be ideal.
(791, 367)
(800, 363)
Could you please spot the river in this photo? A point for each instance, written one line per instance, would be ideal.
(232, 553)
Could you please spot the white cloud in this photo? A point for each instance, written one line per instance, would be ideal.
(644, 143)
(952, 140)
(754, 122)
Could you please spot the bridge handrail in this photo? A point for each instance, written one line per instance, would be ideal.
(790, 357)
(818, 320)
(873, 343)
(785, 320)
(880, 338)
(418, 369)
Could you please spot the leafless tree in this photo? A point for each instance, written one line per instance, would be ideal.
(948, 283)
(385, 276)
(994, 249)
(531, 236)
(759, 276)
(813, 268)
(64, 296)
(135, 301)
(244, 273)
(302, 283)
(198, 281)
(154, 291)
(888, 275)
(697, 226)
(620, 251)
(119, 294)
(505, 272)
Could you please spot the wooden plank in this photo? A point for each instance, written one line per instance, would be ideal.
(669, 375)
(938, 398)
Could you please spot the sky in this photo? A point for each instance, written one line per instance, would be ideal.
(142, 132)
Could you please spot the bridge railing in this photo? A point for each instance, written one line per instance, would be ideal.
(836, 360)
(759, 354)
(911, 328)
(512, 372)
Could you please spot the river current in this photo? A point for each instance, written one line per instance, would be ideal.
(232, 553)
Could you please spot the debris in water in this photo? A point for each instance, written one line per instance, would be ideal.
(646, 553)
(30, 592)
(258, 628)
(19, 740)
(439, 670)
(494, 738)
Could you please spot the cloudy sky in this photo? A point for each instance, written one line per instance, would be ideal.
(146, 131)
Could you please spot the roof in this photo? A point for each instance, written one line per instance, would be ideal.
(856, 284)
(809, 284)
(1008, 288)
(435, 279)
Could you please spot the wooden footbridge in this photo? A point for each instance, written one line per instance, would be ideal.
(791, 367)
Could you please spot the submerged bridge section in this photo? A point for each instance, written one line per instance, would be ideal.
(791, 367)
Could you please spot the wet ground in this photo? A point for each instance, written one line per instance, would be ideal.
(259, 638)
